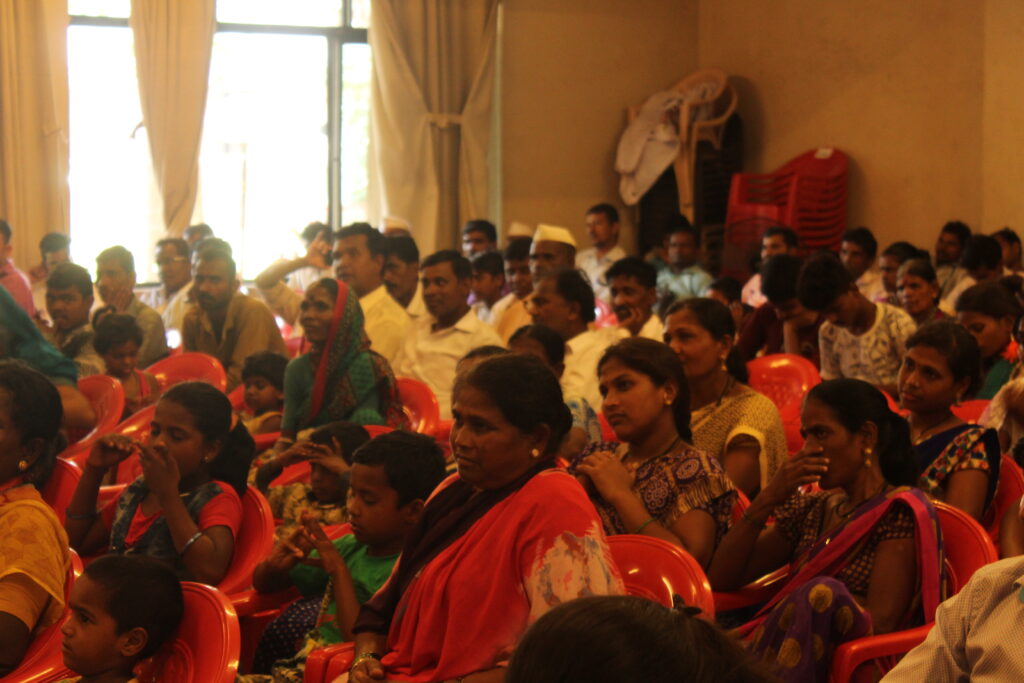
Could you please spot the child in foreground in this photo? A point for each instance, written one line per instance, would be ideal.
(123, 608)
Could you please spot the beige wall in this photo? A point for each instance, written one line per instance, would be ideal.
(570, 68)
(897, 85)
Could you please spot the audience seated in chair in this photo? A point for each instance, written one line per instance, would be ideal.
(730, 421)
(34, 556)
(479, 236)
(728, 292)
(69, 299)
(982, 258)
(889, 263)
(224, 323)
(488, 284)
(949, 248)
(858, 552)
(510, 313)
(917, 288)
(11, 279)
(186, 507)
(194, 234)
(392, 477)
(123, 609)
(775, 240)
(990, 311)
(402, 275)
(958, 463)
(633, 290)
(117, 341)
(115, 280)
(553, 248)
(263, 377)
(1009, 242)
(173, 299)
(602, 222)
(654, 482)
(857, 253)
(682, 277)
(54, 249)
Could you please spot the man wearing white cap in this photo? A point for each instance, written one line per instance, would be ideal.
(603, 227)
(517, 230)
(393, 225)
(553, 248)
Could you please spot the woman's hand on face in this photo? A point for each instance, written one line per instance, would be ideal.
(111, 450)
(160, 471)
(609, 476)
(806, 467)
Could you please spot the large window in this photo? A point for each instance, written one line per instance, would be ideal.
(285, 137)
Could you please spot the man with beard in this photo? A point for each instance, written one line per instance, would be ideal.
(225, 323)
(68, 301)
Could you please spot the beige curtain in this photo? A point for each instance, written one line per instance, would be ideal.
(173, 44)
(33, 122)
(432, 89)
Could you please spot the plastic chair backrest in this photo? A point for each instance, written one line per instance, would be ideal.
(237, 397)
(967, 545)
(253, 544)
(783, 377)
(655, 569)
(106, 396)
(970, 411)
(189, 366)
(138, 427)
(206, 647)
(1008, 494)
(61, 487)
(420, 404)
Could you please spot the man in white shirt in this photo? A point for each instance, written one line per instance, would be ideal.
(633, 283)
(174, 260)
(603, 227)
(564, 301)
(776, 240)
(683, 278)
(437, 341)
(857, 252)
(402, 275)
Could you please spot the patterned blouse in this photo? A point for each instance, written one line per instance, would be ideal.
(669, 485)
(290, 501)
(964, 447)
(800, 521)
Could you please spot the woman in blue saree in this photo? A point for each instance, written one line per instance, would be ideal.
(957, 462)
(864, 555)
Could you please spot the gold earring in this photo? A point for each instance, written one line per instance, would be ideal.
(535, 453)
(867, 457)
(22, 465)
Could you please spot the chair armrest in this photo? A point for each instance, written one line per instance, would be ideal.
(753, 593)
(319, 659)
(249, 602)
(853, 654)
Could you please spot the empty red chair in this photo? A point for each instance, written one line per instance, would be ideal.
(783, 377)
(207, 645)
(106, 396)
(603, 314)
(655, 569)
(420, 405)
(61, 487)
(187, 367)
(1008, 494)
(253, 544)
(970, 411)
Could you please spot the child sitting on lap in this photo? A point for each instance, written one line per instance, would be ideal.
(123, 608)
(117, 340)
(263, 376)
(392, 476)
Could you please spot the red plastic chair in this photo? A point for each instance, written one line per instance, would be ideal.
(603, 314)
(237, 397)
(254, 542)
(970, 411)
(1008, 494)
(61, 487)
(43, 660)
(206, 647)
(188, 367)
(783, 377)
(106, 396)
(968, 549)
(655, 569)
(790, 416)
(420, 405)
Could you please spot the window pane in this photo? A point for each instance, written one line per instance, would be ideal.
(113, 195)
(100, 8)
(276, 12)
(361, 13)
(263, 162)
(355, 130)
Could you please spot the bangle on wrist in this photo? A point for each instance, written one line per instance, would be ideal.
(363, 657)
(644, 525)
(188, 544)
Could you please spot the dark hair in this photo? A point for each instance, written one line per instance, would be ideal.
(211, 411)
(36, 412)
(686, 229)
(460, 264)
(864, 239)
(489, 262)
(269, 365)
(140, 593)
(115, 330)
(662, 365)
(53, 241)
(350, 436)
(854, 402)
(123, 257)
(207, 253)
(5, 231)
(525, 391)
(959, 230)
(982, 251)
(730, 288)
(404, 247)
(199, 229)
(481, 225)
(574, 288)
(920, 267)
(413, 463)
(485, 351)
(328, 283)
(212, 242)
(71, 276)
(375, 240)
(554, 345)
(788, 235)
(994, 299)
(652, 644)
(956, 345)
(314, 230)
(180, 245)
(779, 275)
(609, 211)
(715, 317)
(638, 269)
(903, 251)
(1008, 235)
(518, 250)
(822, 280)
